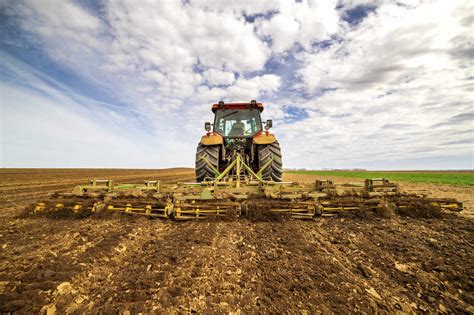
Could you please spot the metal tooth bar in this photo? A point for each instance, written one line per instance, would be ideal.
(147, 214)
(290, 210)
(201, 214)
(147, 210)
(217, 211)
(452, 206)
(341, 208)
(181, 217)
(204, 208)
(190, 214)
(195, 216)
(42, 206)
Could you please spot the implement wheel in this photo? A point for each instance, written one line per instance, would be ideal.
(203, 169)
(275, 169)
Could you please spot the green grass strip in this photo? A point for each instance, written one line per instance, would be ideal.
(463, 179)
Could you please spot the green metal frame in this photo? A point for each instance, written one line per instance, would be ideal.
(238, 164)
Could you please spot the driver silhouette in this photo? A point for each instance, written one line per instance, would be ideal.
(238, 129)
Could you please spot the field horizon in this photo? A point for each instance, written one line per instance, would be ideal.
(450, 177)
(285, 170)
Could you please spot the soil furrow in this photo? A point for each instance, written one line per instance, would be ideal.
(219, 284)
(29, 286)
(154, 271)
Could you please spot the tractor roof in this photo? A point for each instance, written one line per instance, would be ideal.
(251, 104)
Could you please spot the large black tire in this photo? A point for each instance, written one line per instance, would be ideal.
(275, 170)
(211, 153)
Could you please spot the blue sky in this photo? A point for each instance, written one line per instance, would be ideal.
(378, 85)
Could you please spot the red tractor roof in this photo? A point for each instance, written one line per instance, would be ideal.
(251, 104)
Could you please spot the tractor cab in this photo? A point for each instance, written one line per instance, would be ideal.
(238, 120)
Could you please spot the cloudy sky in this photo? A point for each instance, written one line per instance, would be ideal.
(378, 85)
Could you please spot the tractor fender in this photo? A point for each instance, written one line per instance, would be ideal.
(264, 138)
(212, 138)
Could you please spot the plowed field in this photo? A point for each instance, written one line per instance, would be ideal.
(121, 263)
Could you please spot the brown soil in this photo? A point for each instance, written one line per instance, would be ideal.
(121, 263)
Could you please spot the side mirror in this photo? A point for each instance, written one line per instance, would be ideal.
(207, 126)
(268, 124)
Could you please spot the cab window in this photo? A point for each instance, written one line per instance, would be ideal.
(237, 123)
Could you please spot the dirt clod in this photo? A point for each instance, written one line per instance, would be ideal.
(442, 308)
(374, 293)
(64, 288)
(50, 310)
(402, 267)
(364, 270)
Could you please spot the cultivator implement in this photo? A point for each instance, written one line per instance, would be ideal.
(238, 191)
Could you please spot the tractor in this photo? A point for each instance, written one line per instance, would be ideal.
(238, 130)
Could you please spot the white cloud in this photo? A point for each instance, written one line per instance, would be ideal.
(302, 22)
(55, 134)
(249, 7)
(242, 90)
(254, 88)
(173, 36)
(64, 29)
(218, 77)
(156, 44)
(397, 85)
(46, 127)
(390, 47)
(399, 77)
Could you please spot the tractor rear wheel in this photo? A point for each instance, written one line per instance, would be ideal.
(203, 169)
(273, 171)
